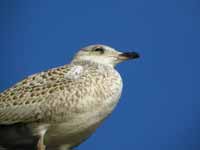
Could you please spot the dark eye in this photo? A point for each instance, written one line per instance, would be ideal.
(99, 49)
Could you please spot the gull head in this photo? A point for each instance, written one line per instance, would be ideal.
(103, 54)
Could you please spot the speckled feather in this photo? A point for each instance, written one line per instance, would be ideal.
(38, 97)
(63, 106)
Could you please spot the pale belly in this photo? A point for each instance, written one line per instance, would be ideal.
(74, 132)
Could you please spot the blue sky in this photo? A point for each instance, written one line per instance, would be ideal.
(159, 108)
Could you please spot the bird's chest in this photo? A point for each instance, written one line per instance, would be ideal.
(98, 98)
(103, 91)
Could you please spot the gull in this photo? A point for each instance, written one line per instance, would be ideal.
(61, 107)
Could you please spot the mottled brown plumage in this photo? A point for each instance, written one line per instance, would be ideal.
(61, 107)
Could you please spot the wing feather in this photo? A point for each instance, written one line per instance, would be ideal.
(27, 101)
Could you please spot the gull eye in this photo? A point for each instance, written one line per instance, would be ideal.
(99, 49)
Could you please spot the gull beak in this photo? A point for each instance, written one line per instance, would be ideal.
(128, 55)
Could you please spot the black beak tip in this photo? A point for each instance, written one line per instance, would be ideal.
(131, 55)
(135, 55)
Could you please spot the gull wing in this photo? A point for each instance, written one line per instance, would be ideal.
(30, 100)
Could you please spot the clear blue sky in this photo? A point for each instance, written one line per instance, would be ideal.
(160, 104)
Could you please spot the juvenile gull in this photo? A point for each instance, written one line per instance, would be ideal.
(62, 107)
